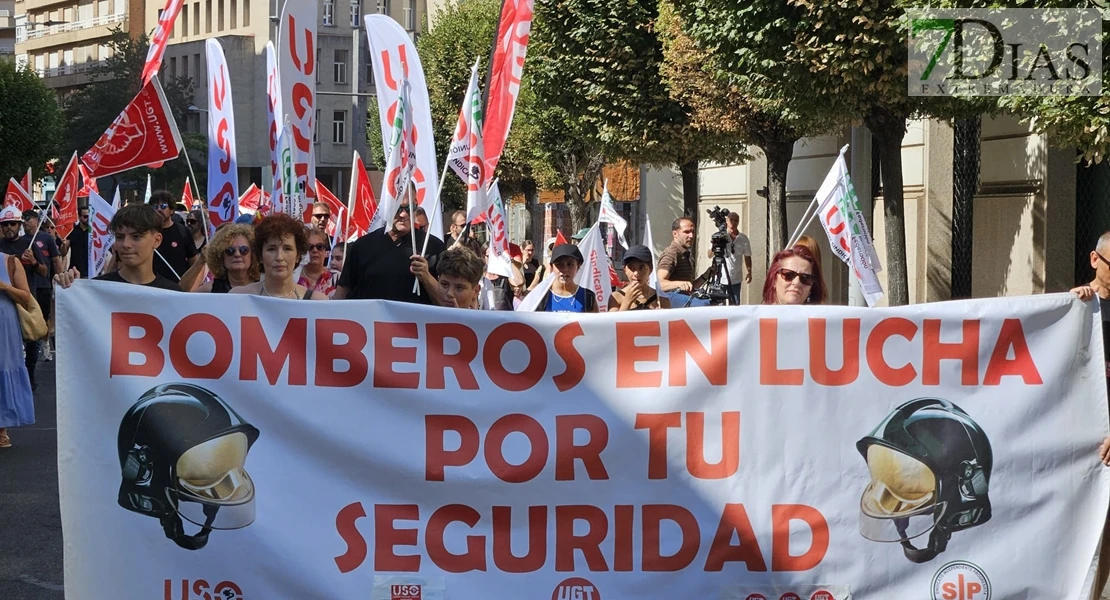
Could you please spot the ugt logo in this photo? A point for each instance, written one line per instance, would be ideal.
(575, 588)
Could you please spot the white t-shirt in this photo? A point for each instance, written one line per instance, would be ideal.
(735, 252)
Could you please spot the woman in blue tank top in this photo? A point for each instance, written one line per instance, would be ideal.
(565, 295)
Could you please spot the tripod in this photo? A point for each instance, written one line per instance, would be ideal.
(719, 283)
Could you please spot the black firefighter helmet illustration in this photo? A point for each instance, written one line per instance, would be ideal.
(182, 450)
(930, 467)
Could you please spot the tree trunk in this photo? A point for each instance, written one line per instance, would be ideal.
(966, 152)
(889, 130)
(690, 191)
(576, 204)
(779, 153)
(532, 204)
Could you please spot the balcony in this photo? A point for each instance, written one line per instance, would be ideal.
(38, 38)
(68, 75)
(7, 20)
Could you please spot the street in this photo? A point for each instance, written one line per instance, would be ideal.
(31, 539)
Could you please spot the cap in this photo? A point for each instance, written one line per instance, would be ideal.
(581, 234)
(244, 219)
(640, 253)
(564, 250)
(10, 213)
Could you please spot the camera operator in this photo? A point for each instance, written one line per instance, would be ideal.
(738, 246)
(677, 279)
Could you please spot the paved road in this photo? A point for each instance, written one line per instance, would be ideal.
(30, 527)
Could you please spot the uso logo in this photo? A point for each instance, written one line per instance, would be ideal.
(409, 591)
(961, 580)
(199, 589)
(575, 588)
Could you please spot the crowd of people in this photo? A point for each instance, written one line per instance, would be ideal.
(165, 245)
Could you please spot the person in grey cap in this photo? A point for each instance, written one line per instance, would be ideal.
(566, 295)
(638, 294)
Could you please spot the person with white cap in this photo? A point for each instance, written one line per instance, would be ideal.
(17, 404)
(34, 265)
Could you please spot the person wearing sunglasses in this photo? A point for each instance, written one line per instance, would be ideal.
(315, 274)
(794, 278)
(177, 250)
(230, 260)
(321, 214)
(195, 223)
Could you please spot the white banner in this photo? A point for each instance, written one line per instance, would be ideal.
(399, 165)
(273, 119)
(466, 155)
(393, 57)
(101, 237)
(594, 273)
(260, 448)
(608, 214)
(840, 215)
(223, 169)
(297, 48)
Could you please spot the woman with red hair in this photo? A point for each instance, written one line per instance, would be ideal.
(794, 278)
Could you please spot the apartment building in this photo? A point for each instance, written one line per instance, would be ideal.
(243, 27)
(63, 39)
(7, 29)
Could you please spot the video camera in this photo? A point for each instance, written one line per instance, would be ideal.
(715, 288)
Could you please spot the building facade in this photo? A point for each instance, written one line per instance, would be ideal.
(62, 40)
(7, 29)
(1036, 214)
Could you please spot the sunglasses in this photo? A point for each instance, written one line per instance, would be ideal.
(321, 216)
(1103, 259)
(788, 276)
(11, 224)
(241, 250)
(320, 247)
(191, 221)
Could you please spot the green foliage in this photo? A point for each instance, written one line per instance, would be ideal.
(30, 122)
(90, 110)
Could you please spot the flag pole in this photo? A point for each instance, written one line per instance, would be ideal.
(435, 211)
(207, 223)
(412, 228)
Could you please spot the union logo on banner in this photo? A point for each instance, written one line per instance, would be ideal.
(144, 134)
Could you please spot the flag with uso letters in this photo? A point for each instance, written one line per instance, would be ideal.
(254, 447)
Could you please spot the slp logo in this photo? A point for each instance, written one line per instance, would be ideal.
(961, 580)
(575, 588)
(202, 590)
(405, 592)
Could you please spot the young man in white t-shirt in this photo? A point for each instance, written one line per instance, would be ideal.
(739, 247)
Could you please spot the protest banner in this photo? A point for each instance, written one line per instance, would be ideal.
(160, 38)
(65, 199)
(273, 118)
(296, 63)
(514, 29)
(18, 196)
(223, 170)
(279, 449)
(143, 135)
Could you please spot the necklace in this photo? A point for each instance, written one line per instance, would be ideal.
(290, 294)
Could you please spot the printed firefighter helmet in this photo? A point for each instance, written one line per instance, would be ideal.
(182, 452)
(930, 466)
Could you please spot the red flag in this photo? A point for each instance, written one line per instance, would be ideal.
(18, 197)
(88, 184)
(159, 38)
(559, 239)
(504, 80)
(144, 134)
(362, 198)
(26, 182)
(187, 195)
(65, 199)
(323, 194)
(249, 201)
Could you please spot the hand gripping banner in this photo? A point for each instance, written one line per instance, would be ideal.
(261, 448)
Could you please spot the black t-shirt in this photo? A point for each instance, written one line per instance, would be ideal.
(159, 282)
(17, 248)
(529, 271)
(44, 242)
(177, 248)
(79, 250)
(377, 268)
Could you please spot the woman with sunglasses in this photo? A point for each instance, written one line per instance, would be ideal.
(195, 222)
(279, 244)
(794, 278)
(315, 274)
(230, 260)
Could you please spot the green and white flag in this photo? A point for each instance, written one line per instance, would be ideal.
(840, 216)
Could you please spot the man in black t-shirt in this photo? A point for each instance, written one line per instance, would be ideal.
(528, 261)
(77, 243)
(379, 265)
(178, 250)
(138, 231)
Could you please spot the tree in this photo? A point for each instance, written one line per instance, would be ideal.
(90, 110)
(30, 123)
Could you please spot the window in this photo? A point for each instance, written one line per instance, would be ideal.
(185, 23)
(329, 13)
(246, 13)
(196, 65)
(316, 129)
(184, 67)
(356, 12)
(219, 15)
(120, 9)
(383, 7)
(317, 69)
(208, 16)
(196, 18)
(339, 127)
(173, 66)
(85, 11)
(235, 14)
(410, 15)
(340, 74)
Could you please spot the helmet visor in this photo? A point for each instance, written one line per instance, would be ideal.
(900, 501)
(213, 489)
